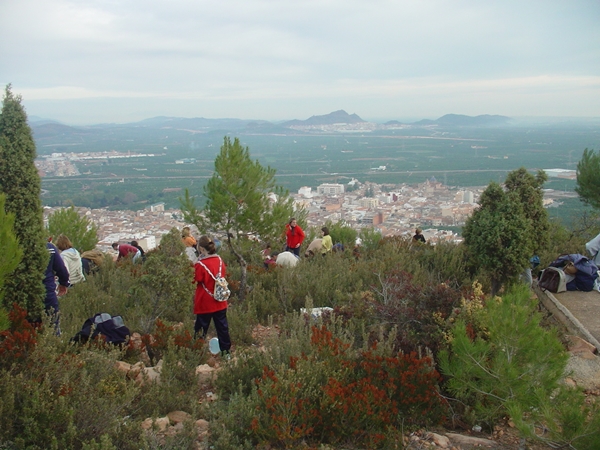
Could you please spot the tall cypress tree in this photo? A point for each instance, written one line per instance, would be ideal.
(21, 183)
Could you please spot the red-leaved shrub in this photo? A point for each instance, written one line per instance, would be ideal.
(17, 343)
(334, 394)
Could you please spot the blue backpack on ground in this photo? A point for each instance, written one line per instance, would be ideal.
(110, 329)
(584, 277)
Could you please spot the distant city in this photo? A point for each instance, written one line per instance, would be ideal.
(393, 210)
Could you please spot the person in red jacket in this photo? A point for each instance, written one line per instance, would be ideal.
(294, 237)
(125, 250)
(206, 308)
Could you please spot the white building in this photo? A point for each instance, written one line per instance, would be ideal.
(157, 207)
(469, 197)
(305, 191)
(330, 189)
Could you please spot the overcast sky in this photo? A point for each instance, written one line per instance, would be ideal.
(87, 61)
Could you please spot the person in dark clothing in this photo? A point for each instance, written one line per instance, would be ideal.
(139, 247)
(418, 237)
(56, 268)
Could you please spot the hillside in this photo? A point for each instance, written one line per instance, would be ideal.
(460, 120)
(339, 116)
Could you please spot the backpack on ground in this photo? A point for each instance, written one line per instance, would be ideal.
(553, 279)
(581, 272)
(222, 291)
(111, 329)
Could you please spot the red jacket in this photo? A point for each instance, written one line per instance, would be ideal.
(294, 235)
(204, 303)
(126, 249)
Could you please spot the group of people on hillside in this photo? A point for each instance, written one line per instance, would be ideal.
(208, 266)
(294, 237)
(66, 267)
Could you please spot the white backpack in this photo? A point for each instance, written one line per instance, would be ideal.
(222, 291)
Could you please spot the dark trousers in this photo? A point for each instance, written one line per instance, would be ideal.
(53, 310)
(295, 251)
(220, 319)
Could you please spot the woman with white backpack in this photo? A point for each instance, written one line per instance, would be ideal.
(210, 300)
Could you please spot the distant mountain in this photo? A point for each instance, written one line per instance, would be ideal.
(48, 132)
(262, 127)
(40, 120)
(340, 116)
(48, 129)
(459, 120)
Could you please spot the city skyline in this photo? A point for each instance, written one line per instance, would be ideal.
(98, 62)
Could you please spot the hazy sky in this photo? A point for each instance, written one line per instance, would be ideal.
(88, 61)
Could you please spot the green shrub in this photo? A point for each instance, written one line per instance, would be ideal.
(260, 303)
(241, 318)
(510, 361)
(62, 396)
(4, 322)
(164, 287)
(178, 388)
(564, 420)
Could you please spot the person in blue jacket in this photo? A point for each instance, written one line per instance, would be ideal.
(56, 269)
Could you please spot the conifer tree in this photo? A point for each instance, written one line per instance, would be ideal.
(588, 178)
(499, 238)
(528, 188)
(239, 202)
(515, 362)
(10, 252)
(82, 232)
(165, 289)
(21, 184)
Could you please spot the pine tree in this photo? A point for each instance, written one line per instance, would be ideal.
(242, 199)
(515, 362)
(82, 232)
(588, 178)
(21, 184)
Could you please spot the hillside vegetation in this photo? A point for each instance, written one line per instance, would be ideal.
(358, 377)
